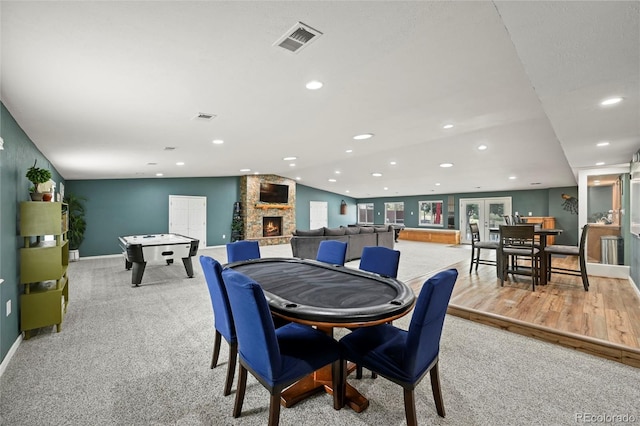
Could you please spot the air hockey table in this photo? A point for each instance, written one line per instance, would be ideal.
(140, 249)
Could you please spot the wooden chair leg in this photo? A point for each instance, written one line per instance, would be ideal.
(435, 387)
(242, 385)
(339, 382)
(274, 407)
(216, 349)
(583, 273)
(231, 368)
(410, 407)
(472, 257)
(477, 258)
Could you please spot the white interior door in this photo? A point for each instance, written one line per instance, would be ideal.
(486, 212)
(318, 214)
(188, 216)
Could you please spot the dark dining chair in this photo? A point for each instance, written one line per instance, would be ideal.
(573, 251)
(402, 356)
(279, 357)
(332, 251)
(380, 260)
(516, 242)
(242, 250)
(477, 246)
(223, 321)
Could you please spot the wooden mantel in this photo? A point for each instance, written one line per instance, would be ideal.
(273, 206)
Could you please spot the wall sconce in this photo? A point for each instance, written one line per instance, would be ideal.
(343, 207)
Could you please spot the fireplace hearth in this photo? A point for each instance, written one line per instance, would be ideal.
(272, 226)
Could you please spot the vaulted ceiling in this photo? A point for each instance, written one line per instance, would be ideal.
(109, 90)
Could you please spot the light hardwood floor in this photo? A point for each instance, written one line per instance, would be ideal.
(605, 321)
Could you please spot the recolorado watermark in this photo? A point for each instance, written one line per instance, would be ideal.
(605, 418)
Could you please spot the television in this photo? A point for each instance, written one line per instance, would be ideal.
(274, 193)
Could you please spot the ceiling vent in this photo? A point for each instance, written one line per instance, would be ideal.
(203, 116)
(298, 37)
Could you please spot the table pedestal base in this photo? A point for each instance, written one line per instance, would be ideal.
(317, 382)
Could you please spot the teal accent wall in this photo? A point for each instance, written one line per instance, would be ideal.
(122, 207)
(305, 194)
(18, 155)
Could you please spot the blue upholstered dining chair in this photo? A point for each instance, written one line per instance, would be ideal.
(276, 357)
(223, 321)
(380, 260)
(242, 250)
(404, 357)
(332, 251)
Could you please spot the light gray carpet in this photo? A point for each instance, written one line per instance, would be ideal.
(140, 356)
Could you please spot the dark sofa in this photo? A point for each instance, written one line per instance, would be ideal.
(304, 244)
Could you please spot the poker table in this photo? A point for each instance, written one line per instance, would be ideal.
(327, 296)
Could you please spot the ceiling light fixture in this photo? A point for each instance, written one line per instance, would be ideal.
(603, 143)
(447, 126)
(298, 178)
(385, 188)
(482, 147)
(346, 190)
(363, 136)
(337, 172)
(349, 151)
(512, 177)
(600, 163)
(290, 158)
(376, 174)
(332, 180)
(245, 170)
(180, 163)
(217, 141)
(159, 174)
(393, 163)
(292, 164)
(437, 183)
(446, 165)
(611, 101)
(314, 85)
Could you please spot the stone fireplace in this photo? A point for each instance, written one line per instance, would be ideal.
(272, 226)
(267, 223)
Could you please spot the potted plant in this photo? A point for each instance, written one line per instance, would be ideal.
(36, 176)
(77, 224)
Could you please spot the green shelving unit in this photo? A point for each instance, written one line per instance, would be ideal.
(43, 265)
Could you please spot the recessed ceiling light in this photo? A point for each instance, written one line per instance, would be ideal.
(298, 178)
(376, 174)
(349, 151)
(603, 143)
(611, 101)
(180, 163)
(290, 158)
(482, 147)
(332, 180)
(346, 190)
(245, 170)
(292, 164)
(600, 163)
(363, 136)
(217, 141)
(393, 163)
(337, 172)
(512, 177)
(445, 165)
(159, 174)
(314, 85)
(447, 126)
(385, 188)
(437, 183)
(256, 173)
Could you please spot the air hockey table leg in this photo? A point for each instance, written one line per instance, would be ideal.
(136, 274)
(188, 266)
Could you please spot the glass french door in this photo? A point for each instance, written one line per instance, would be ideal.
(488, 213)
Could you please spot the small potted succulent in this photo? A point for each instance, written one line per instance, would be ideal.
(36, 176)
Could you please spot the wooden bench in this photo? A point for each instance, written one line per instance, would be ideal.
(431, 235)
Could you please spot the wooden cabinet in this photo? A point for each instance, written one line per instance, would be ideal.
(44, 259)
(547, 222)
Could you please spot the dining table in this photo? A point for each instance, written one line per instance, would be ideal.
(327, 296)
(542, 234)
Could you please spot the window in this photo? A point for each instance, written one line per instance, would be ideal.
(430, 213)
(365, 213)
(394, 213)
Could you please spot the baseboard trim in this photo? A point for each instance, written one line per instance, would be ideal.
(592, 346)
(12, 351)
